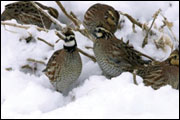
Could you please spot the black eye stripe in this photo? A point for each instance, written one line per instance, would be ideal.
(71, 38)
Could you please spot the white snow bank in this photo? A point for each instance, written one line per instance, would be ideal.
(28, 95)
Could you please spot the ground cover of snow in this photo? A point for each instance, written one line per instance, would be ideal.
(28, 95)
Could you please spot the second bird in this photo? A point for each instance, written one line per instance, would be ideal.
(25, 13)
(101, 15)
(113, 55)
(65, 65)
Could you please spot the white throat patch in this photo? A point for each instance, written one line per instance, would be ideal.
(99, 34)
(69, 44)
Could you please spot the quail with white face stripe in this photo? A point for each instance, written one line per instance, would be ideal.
(70, 41)
(113, 55)
(65, 65)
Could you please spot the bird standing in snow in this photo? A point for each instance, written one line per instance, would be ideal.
(162, 73)
(65, 65)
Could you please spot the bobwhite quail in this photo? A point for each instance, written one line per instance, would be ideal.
(25, 13)
(113, 55)
(64, 67)
(162, 73)
(101, 15)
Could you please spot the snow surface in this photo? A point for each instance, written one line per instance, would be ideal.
(27, 95)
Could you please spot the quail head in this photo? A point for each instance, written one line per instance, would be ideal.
(113, 55)
(64, 67)
(103, 16)
(25, 13)
(162, 73)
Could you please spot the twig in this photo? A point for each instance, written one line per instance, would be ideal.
(169, 25)
(134, 77)
(142, 54)
(55, 21)
(40, 39)
(87, 55)
(145, 41)
(88, 47)
(59, 35)
(133, 20)
(73, 15)
(42, 20)
(133, 27)
(38, 28)
(26, 66)
(36, 61)
(74, 19)
(9, 69)
(57, 40)
(21, 26)
(69, 16)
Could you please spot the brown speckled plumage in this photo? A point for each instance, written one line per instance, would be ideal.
(114, 56)
(64, 68)
(101, 15)
(25, 13)
(162, 73)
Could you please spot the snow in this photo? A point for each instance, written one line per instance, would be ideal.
(28, 95)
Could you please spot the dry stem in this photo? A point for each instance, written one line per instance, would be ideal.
(69, 16)
(134, 21)
(169, 25)
(87, 55)
(59, 35)
(55, 21)
(36, 61)
(9, 69)
(40, 39)
(26, 66)
(134, 77)
(88, 47)
(74, 19)
(21, 26)
(145, 41)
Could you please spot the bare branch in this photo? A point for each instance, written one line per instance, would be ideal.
(88, 47)
(134, 21)
(74, 19)
(8, 69)
(73, 15)
(27, 67)
(145, 41)
(21, 26)
(87, 55)
(59, 35)
(169, 25)
(142, 54)
(134, 77)
(36, 61)
(55, 21)
(69, 16)
(40, 39)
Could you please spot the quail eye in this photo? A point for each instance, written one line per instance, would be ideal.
(175, 57)
(71, 38)
(113, 18)
(105, 16)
